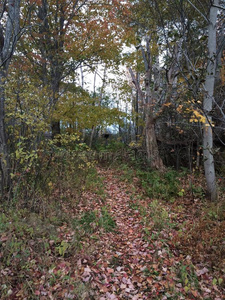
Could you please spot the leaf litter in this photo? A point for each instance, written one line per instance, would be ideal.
(130, 264)
(120, 254)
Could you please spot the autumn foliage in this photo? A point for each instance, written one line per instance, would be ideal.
(104, 110)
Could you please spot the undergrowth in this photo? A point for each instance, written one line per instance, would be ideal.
(179, 211)
(91, 220)
(59, 206)
(37, 228)
(157, 185)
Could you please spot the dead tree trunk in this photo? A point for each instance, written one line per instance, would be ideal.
(152, 150)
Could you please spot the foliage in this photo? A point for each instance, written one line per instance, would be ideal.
(159, 215)
(34, 246)
(38, 173)
(158, 185)
(91, 220)
(36, 231)
(81, 110)
(106, 220)
(83, 224)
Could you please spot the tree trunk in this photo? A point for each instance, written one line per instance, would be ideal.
(55, 128)
(4, 154)
(7, 48)
(198, 155)
(152, 146)
(136, 107)
(92, 136)
(207, 106)
(150, 136)
(55, 124)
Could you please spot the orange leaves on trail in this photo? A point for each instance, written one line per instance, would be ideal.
(4, 238)
(125, 262)
(133, 262)
(129, 267)
(110, 271)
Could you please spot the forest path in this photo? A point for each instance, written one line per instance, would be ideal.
(108, 241)
(126, 254)
(128, 263)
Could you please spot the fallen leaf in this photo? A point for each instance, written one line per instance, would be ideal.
(202, 271)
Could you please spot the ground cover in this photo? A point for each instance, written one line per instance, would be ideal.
(123, 238)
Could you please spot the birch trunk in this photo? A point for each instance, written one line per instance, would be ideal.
(207, 105)
(9, 38)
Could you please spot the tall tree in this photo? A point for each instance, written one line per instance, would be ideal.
(45, 44)
(208, 101)
(9, 35)
(144, 27)
(148, 98)
(66, 34)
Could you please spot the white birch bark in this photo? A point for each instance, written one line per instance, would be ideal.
(9, 37)
(207, 105)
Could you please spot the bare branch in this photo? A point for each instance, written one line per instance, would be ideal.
(144, 58)
(136, 84)
(198, 11)
(218, 6)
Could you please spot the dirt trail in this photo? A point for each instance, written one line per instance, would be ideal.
(89, 258)
(131, 262)
(125, 265)
(125, 254)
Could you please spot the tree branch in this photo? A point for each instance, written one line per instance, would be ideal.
(198, 11)
(218, 6)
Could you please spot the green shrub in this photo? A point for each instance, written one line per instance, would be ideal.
(106, 221)
(159, 215)
(54, 169)
(159, 186)
(90, 221)
(87, 220)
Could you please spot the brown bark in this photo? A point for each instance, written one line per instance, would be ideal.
(149, 133)
(152, 146)
(55, 128)
(4, 153)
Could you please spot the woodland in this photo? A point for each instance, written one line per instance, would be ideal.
(112, 149)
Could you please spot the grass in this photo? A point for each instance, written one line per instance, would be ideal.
(156, 185)
(106, 221)
(91, 221)
(158, 215)
(179, 215)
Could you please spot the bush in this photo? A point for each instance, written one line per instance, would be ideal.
(158, 185)
(52, 168)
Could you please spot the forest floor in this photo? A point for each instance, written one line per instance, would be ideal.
(123, 245)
